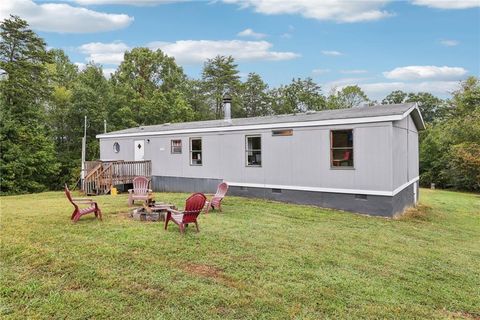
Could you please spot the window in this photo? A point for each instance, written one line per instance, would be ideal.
(341, 148)
(283, 132)
(253, 149)
(195, 151)
(116, 147)
(176, 147)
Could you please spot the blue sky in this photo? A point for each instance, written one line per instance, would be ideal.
(381, 45)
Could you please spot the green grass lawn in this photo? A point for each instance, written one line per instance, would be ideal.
(257, 260)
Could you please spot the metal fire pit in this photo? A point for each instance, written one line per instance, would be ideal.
(155, 212)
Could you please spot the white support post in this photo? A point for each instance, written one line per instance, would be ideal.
(84, 151)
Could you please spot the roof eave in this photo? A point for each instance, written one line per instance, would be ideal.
(259, 126)
(417, 117)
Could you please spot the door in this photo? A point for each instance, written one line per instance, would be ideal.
(139, 150)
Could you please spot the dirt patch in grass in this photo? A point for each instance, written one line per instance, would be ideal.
(214, 273)
(420, 212)
(461, 315)
(204, 270)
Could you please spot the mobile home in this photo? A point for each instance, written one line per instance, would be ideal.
(361, 159)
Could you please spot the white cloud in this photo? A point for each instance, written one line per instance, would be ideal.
(448, 4)
(343, 82)
(137, 3)
(188, 51)
(320, 71)
(331, 53)
(449, 43)
(63, 18)
(107, 53)
(353, 71)
(379, 90)
(107, 72)
(334, 10)
(252, 34)
(425, 72)
(80, 65)
(197, 51)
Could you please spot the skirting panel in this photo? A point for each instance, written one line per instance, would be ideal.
(182, 184)
(376, 205)
(385, 206)
(405, 198)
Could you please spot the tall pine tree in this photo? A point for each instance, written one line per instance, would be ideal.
(28, 153)
(220, 75)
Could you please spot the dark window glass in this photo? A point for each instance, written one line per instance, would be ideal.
(196, 152)
(116, 147)
(253, 149)
(341, 148)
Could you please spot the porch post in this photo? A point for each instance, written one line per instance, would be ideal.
(84, 146)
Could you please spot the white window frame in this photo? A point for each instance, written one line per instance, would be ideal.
(172, 146)
(192, 151)
(116, 150)
(247, 150)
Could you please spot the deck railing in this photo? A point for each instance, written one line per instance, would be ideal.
(102, 175)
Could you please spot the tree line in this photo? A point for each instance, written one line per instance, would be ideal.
(44, 98)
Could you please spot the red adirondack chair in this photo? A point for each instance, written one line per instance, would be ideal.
(216, 201)
(193, 207)
(140, 191)
(77, 213)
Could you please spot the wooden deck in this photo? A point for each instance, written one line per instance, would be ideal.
(101, 176)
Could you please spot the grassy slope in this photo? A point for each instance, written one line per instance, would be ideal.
(257, 260)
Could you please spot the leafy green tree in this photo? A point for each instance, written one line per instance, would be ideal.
(450, 147)
(463, 170)
(300, 95)
(254, 97)
(143, 75)
(394, 97)
(170, 106)
(219, 76)
(432, 108)
(466, 100)
(28, 156)
(23, 60)
(63, 75)
(197, 99)
(91, 95)
(347, 97)
(62, 71)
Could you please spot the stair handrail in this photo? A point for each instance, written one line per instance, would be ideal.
(109, 178)
(92, 172)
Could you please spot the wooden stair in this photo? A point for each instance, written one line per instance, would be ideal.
(103, 175)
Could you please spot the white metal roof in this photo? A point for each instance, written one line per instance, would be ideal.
(379, 113)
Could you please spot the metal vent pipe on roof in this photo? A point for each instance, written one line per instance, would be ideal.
(227, 107)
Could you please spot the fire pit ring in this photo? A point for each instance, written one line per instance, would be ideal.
(153, 212)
